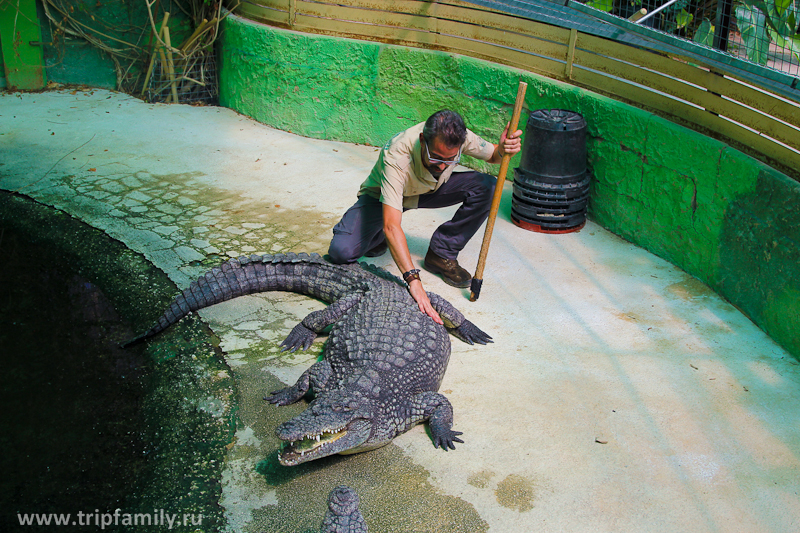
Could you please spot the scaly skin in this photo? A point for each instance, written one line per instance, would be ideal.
(382, 365)
(343, 515)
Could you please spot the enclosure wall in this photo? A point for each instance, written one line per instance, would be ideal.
(722, 216)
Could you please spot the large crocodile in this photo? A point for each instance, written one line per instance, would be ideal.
(383, 362)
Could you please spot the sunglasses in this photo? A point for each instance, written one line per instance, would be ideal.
(442, 161)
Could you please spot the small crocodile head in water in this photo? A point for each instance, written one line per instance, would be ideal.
(336, 422)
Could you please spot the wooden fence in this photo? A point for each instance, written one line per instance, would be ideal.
(682, 88)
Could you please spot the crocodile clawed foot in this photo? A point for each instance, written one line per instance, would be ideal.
(283, 397)
(447, 440)
(471, 334)
(300, 338)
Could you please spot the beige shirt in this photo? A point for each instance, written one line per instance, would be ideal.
(398, 177)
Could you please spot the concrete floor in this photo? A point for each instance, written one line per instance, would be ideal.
(620, 394)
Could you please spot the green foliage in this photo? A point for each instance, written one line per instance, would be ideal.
(601, 5)
(676, 17)
(683, 19)
(704, 34)
(782, 16)
(752, 26)
(782, 5)
(762, 22)
(677, 7)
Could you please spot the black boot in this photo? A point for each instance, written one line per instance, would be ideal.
(449, 269)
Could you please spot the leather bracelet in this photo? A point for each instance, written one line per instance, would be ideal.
(411, 275)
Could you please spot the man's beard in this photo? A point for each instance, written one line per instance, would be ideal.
(435, 172)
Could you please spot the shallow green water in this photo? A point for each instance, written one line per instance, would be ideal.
(89, 427)
(73, 426)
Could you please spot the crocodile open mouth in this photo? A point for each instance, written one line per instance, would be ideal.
(294, 452)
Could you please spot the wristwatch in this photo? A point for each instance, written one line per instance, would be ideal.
(411, 275)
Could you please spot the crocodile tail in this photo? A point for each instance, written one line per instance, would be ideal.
(302, 273)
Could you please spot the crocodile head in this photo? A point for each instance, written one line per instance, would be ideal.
(335, 422)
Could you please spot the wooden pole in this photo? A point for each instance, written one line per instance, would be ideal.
(170, 65)
(196, 35)
(155, 52)
(477, 279)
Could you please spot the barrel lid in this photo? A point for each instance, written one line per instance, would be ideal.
(556, 120)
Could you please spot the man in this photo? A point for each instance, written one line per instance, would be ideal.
(415, 169)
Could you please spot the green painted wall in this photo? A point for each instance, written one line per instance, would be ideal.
(354, 91)
(22, 61)
(722, 216)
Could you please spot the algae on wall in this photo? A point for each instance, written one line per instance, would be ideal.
(683, 196)
(722, 216)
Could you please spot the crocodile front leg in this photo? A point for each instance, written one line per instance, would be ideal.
(304, 333)
(314, 379)
(436, 409)
(456, 323)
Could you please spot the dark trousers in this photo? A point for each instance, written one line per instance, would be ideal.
(361, 227)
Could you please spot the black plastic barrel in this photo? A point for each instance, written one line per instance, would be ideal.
(551, 185)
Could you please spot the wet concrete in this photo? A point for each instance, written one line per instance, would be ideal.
(620, 394)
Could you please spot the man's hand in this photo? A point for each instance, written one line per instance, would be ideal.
(509, 144)
(421, 297)
(402, 257)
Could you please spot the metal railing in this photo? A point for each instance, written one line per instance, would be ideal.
(765, 32)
